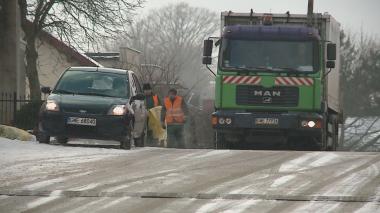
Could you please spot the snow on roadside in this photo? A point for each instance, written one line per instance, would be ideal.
(317, 207)
(355, 140)
(282, 180)
(41, 201)
(353, 182)
(308, 161)
(213, 153)
(14, 150)
(228, 206)
(371, 206)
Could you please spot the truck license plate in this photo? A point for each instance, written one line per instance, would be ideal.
(266, 121)
(81, 121)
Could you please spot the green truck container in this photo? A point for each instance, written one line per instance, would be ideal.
(277, 79)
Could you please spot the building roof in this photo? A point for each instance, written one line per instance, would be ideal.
(67, 50)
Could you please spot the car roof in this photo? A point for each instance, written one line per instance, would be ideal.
(99, 69)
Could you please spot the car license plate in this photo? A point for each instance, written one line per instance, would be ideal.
(81, 121)
(266, 121)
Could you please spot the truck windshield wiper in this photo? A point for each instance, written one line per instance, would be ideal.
(254, 69)
(291, 69)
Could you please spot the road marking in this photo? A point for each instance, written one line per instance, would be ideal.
(202, 196)
(41, 201)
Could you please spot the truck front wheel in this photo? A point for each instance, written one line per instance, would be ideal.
(220, 141)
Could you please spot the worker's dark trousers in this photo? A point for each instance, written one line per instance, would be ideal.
(176, 137)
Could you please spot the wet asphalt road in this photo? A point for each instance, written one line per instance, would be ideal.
(50, 178)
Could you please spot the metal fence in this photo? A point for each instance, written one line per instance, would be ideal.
(10, 103)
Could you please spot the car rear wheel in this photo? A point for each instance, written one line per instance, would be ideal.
(62, 139)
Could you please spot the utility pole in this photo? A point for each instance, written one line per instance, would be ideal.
(10, 62)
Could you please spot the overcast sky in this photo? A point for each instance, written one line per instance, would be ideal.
(354, 15)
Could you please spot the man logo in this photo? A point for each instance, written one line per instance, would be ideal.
(267, 93)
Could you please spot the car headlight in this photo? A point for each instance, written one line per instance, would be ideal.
(118, 110)
(52, 106)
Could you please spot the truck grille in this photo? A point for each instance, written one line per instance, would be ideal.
(261, 96)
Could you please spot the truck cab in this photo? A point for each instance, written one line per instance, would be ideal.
(277, 78)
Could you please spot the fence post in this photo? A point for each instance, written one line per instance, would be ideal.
(14, 106)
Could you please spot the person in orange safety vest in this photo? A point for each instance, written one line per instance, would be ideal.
(174, 114)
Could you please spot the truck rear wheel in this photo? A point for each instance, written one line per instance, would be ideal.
(332, 134)
(220, 141)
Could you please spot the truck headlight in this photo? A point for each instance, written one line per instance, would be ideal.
(52, 106)
(311, 124)
(117, 110)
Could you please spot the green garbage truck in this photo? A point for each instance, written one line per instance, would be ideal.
(277, 79)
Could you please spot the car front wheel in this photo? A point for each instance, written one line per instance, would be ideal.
(43, 137)
(127, 140)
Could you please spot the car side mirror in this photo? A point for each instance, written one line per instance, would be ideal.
(207, 51)
(46, 90)
(331, 52)
(138, 97)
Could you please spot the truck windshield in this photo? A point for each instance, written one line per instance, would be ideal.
(93, 83)
(287, 56)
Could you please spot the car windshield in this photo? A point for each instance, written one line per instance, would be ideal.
(268, 55)
(93, 83)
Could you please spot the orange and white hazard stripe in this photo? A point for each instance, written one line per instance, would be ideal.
(294, 81)
(252, 80)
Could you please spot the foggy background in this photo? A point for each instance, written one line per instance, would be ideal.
(354, 15)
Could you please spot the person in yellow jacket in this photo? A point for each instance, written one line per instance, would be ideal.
(151, 101)
(174, 114)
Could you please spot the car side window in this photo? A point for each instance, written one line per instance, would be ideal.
(138, 86)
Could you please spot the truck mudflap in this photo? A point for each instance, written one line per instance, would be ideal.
(268, 121)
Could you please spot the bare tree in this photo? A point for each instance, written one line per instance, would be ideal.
(171, 38)
(361, 98)
(74, 21)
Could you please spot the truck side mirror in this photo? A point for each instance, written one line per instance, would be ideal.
(207, 51)
(331, 52)
(330, 64)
